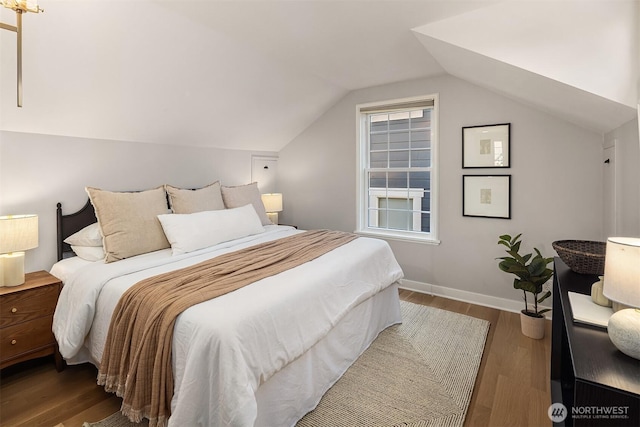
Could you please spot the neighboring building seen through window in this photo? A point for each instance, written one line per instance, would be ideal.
(396, 184)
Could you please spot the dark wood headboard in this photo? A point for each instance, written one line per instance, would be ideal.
(72, 223)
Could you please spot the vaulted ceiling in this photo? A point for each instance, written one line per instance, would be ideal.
(254, 74)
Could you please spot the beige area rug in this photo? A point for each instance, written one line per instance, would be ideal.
(417, 374)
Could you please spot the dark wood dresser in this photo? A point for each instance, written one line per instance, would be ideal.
(599, 385)
(26, 317)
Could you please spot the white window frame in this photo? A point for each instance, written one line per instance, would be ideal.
(414, 194)
(368, 196)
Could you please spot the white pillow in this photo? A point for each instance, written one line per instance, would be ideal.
(190, 232)
(88, 236)
(89, 253)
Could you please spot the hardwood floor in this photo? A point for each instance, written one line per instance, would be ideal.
(512, 388)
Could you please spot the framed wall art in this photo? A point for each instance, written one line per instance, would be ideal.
(486, 146)
(487, 196)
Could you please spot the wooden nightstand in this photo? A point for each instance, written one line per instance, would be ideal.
(26, 316)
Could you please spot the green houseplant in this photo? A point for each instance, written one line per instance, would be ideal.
(531, 274)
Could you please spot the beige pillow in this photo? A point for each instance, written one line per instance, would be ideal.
(236, 197)
(129, 221)
(185, 201)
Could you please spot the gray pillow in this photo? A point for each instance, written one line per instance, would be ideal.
(236, 197)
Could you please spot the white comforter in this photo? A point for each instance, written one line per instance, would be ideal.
(223, 349)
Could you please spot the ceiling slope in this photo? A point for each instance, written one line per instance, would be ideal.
(136, 71)
(253, 74)
(574, 59)
(230, 74)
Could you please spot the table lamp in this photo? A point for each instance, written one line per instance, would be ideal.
(272, 204)
(18, 233)
(622, 285)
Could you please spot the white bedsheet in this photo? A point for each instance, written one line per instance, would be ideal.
(225, 348)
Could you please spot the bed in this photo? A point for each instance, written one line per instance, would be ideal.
(261, 355)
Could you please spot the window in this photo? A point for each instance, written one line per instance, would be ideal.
(397, 162)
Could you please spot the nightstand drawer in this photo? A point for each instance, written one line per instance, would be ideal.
(26, 336)
(26, 305)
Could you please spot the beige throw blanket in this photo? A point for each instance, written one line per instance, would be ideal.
(136, 363)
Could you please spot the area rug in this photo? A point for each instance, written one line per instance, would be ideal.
(420, 373)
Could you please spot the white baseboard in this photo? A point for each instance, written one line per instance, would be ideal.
(465, 296)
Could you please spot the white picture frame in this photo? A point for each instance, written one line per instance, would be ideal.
(486, 196)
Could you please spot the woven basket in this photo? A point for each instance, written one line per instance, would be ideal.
(582, 256)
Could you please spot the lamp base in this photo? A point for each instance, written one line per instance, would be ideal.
(273, 217)
(624, 331)
(12, 269)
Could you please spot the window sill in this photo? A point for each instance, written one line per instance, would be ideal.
(390, 235)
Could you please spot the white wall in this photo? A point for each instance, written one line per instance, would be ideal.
(556, 183)
(38, 171)
(626, 211)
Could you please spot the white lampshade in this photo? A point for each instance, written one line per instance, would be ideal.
(18, 233)
(622, 284)
(272, 204)
(622, 271)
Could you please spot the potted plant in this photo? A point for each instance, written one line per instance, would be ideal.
(531, 274)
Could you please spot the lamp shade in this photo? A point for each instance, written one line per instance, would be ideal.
(18, 233)
(622, 284)
(272, 202)
(622, 270)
